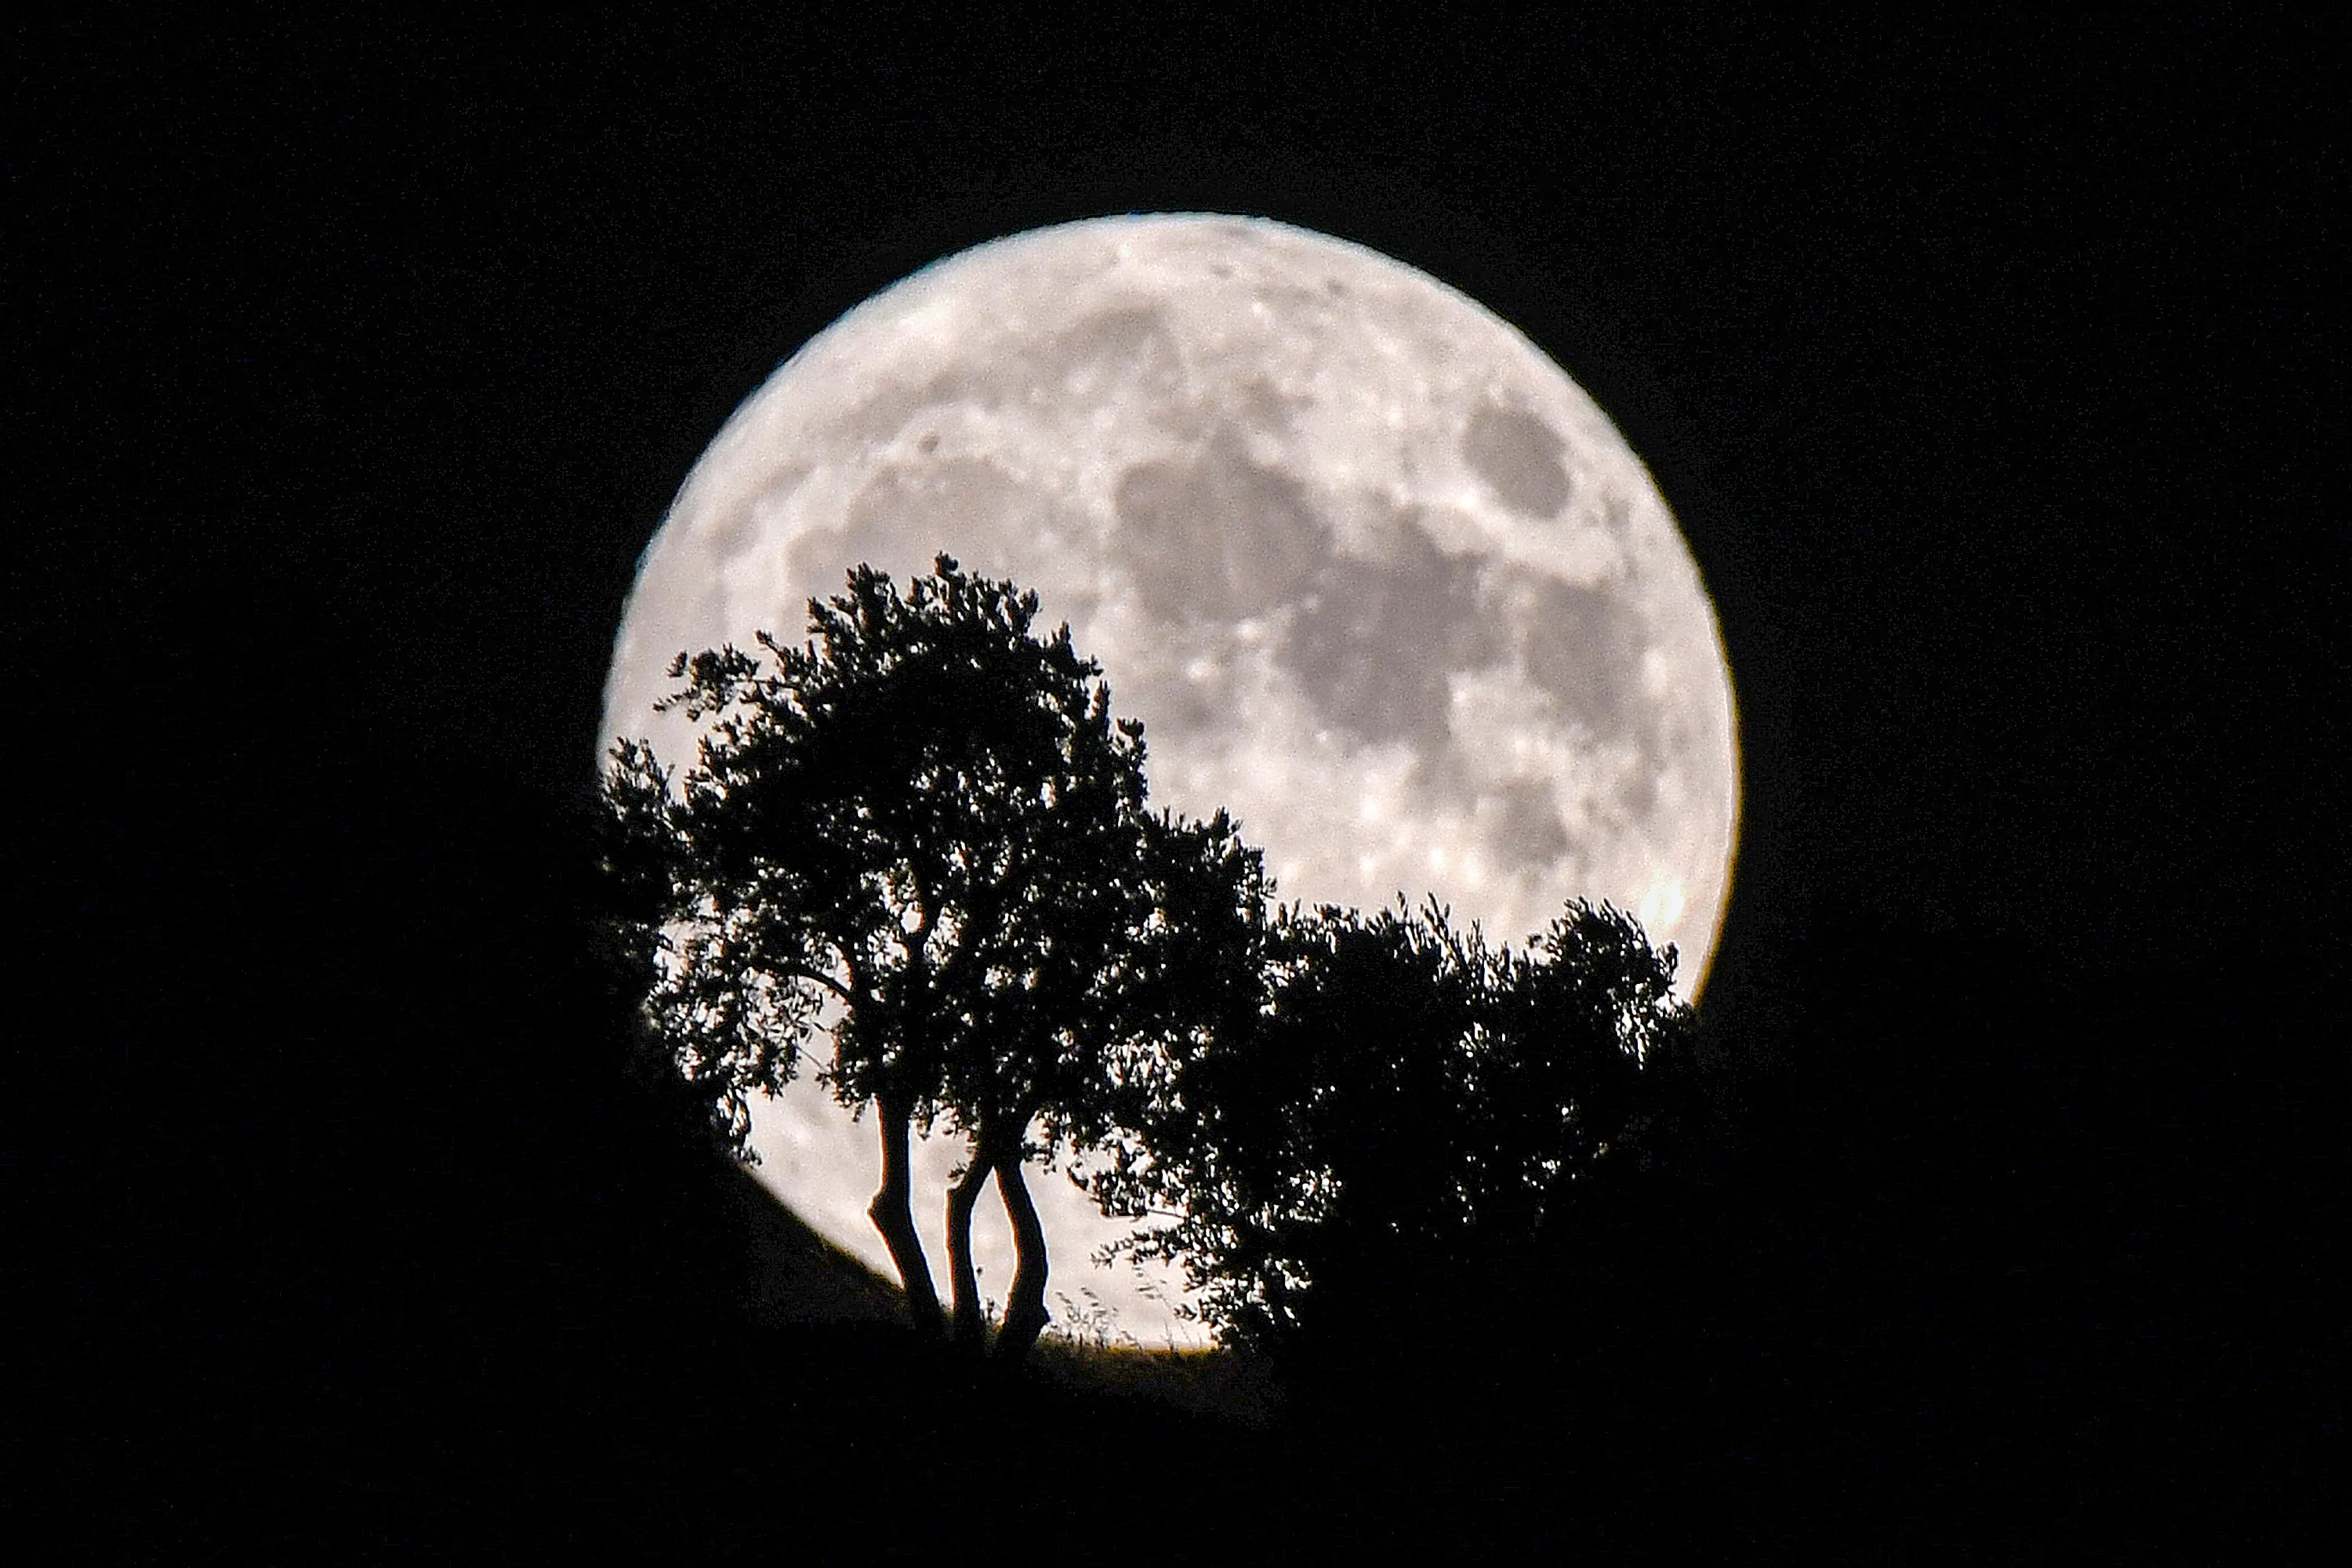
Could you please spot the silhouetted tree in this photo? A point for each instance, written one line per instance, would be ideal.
(923, 832)
(1407, 1113)
(1133, 952)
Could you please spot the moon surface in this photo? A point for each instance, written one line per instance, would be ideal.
(1374, 572)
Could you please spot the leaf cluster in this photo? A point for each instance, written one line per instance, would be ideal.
(922, 832)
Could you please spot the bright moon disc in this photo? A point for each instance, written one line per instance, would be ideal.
(1376, 575)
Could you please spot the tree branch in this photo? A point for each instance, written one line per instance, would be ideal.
(798, 972)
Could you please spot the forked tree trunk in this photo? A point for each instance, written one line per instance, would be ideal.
(1024, 1313)
(894, 1216)
(970, 1327)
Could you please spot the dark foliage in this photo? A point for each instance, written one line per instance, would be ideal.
(1407, 1113)
(1963, 1253)
(922, 833)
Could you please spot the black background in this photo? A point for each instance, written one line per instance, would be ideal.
(1983, 364)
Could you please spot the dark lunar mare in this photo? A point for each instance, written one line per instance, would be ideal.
(1373, 642)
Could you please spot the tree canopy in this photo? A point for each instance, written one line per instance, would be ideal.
(1409, 1110)
(923, 833)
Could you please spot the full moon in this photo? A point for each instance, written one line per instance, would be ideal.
(1374, 572)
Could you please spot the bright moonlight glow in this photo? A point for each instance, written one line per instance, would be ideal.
(1374, 572)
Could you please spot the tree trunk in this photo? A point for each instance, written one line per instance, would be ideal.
(970, 1327)
(1024, 1313)
(894, 1216)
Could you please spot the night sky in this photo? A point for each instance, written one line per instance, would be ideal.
(359, 360)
